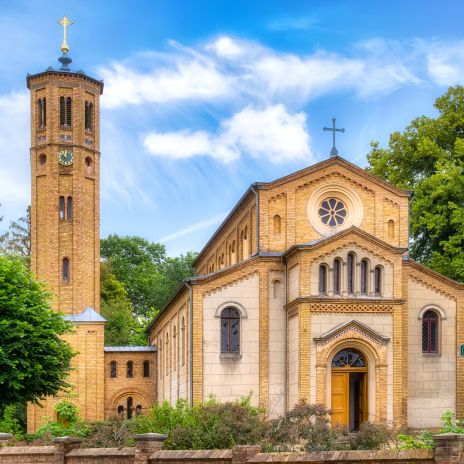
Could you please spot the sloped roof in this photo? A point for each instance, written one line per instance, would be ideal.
(123, 349)
(88, 316)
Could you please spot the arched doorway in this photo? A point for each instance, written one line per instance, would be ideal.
(349, 388)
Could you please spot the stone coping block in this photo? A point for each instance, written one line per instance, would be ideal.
(448, 436)
(83, 452)
(5, 436)
(28, 450)
(66, 441)
(191, 455)
(150, 437)
(351, 455)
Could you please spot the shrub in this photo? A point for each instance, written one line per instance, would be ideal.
(113, 433)
(423, 440)
(305, 423)
(10, 420)
(449, 423)
(371, 436)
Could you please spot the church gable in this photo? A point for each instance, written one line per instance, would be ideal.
(329, 197)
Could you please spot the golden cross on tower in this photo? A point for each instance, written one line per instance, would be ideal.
(65, 22)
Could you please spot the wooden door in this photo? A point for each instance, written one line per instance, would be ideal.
(363, 398)
(340, 398)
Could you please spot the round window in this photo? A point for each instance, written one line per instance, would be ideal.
(332, 212)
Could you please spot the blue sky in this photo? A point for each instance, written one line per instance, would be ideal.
(203, 98)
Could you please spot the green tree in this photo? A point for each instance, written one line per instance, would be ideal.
(148, 275)
(122, 327)
(428, 158)
(34, 360)
(16, 241)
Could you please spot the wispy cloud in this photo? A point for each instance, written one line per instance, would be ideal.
(214, 221)
(299, 23)
(272, 133)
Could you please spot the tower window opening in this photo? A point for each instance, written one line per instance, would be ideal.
(66, 270)
(65, 112)
(41, 113)
(88, 116)
(61, 208)
(113, 369)
(42, 159)
(69, 208)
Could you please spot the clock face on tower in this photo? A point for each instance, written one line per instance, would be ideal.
(65, 157)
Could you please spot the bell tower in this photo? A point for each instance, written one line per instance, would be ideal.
(65, 219)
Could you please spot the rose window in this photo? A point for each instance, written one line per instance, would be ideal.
(332, 212)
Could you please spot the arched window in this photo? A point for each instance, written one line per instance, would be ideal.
(41, 112)
(66, 270)
(230, 331)
(68, 111)
(240, 251)
(120, 410)
(42, 159)
(146, 368)
(277, 286)
(130, 369)
(166, 355)
(245, 243)
(88, 116)
(336, 276)
(430, 332)
(69, 208)
(323, 279)
(130, 404)
(233, 258)
(348, 358)
(277, 224)
(174, 348)
(350, 273)
(378, 280)
(61, 208)
(364, 277)
(138, 410)
(113, 369)
(391, 228)
(183, 341)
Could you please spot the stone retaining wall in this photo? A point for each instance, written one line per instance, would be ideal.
(449, 450)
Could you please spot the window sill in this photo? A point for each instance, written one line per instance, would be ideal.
(431, 355)
(230, 356)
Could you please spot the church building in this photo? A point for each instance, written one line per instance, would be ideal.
(306, 290)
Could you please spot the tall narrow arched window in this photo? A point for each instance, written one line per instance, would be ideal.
(174, 348)
(183, 341)
(66, 270)
(391, 228)
(68, 111)
(245, 243)
(130, 406)
(166, 355)
(61, 208)
(69, 208)
(378, 280)
(350, 273)
(336, 276)
(240, 250)
(277, 224)
(62, 111)
(230, 331)
(146, 368)
(130, 369)
(88, 116)
(430, 332)
(120, 410)
(277, 288)
(113, 369)
(41, 113)
(364, 277)
(323, 279)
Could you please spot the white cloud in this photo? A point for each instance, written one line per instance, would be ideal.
(226, 46)
(195, 227)
(272, 133)
(445, 62)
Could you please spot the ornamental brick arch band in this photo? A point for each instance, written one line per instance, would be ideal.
(120, 399)
(374, 349)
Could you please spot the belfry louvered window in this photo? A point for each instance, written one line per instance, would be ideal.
(41, 113)
(65, 112)
(430, 332)
(88, 116)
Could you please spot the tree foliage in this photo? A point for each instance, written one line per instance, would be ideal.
(16, 240)
(428, 158)
(34, 360)
(122, 327)
(147, 274)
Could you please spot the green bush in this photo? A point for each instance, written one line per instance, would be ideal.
(11, 420)
(449, 423)
(371, 436)
(424, 440)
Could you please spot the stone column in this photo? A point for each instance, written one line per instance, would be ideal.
(63, 446)
(146, 444)
(241, 454)
(4, 438)
(448, 447)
